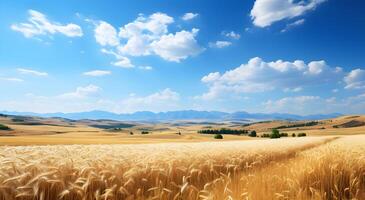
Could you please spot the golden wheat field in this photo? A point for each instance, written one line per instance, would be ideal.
(291, 168)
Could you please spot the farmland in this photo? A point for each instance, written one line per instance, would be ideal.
(48, 158)
(295, 168)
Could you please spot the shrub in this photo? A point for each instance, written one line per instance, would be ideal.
(4, 127)
(145, 132)
(302, 134)
(283, 134)
(265, 135)
(218, 136)
(252, 134)
(131, 133)
(293, 135)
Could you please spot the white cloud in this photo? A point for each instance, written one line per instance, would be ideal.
(82, 92)
(220, 44)
(297, 104)
(121, 61)
(142, 32)
(291, 25)
(166, 99)
(145, 67)
(316, 67)
(331, 100)
(11, 79)
(178, 46)
(148, 36)
(266, 12)
(296, 89)
(211, 77)
(355, 79)
(315, 104)
(31, 72)
(189, 16)
(85, 99)
(105, 34)
(38, 24)
(232, 35)
(259, 76)
(97, 73)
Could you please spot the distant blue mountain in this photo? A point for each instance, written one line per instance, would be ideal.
(178, 115)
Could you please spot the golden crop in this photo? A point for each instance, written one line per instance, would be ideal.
(262, 169)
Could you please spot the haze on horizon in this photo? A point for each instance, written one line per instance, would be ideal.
(258, 56)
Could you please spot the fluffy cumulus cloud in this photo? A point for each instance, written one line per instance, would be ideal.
(259, 76)
(189, 16)
(31, 72)
(106, 34)
(97, 73)
(355, 79)
(266, 12)
(220, 44)
(38, 24)
(178, 46)
(147, 36)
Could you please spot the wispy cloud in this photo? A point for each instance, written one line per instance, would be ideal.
(97, 73)
(31, 72)
(294, 24)
(220, 44)
(189, 16)
(11, 79)
(38, 24)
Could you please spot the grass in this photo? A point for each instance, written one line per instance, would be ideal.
(256, 169)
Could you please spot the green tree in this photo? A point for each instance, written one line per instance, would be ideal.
(252, 134)
(275, 133)
(218, 136)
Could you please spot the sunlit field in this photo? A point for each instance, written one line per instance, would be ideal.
(290, 168)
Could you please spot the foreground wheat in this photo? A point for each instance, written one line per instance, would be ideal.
(210, 170)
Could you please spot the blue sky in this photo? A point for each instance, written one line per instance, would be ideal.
(301, 57)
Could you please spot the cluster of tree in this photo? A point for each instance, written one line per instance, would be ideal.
(145, 132)
(4, 127)
(252, 134)
(311, 123)
(275, 133)
(223, 131)
(302, 134)
(115, 129)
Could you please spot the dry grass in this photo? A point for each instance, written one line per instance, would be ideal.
(332, 171)
(264, 169)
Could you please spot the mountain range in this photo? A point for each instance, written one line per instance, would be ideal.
(178, 115)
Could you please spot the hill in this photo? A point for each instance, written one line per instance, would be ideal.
(178, 115)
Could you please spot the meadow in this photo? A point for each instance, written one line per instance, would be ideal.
(325, 167)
